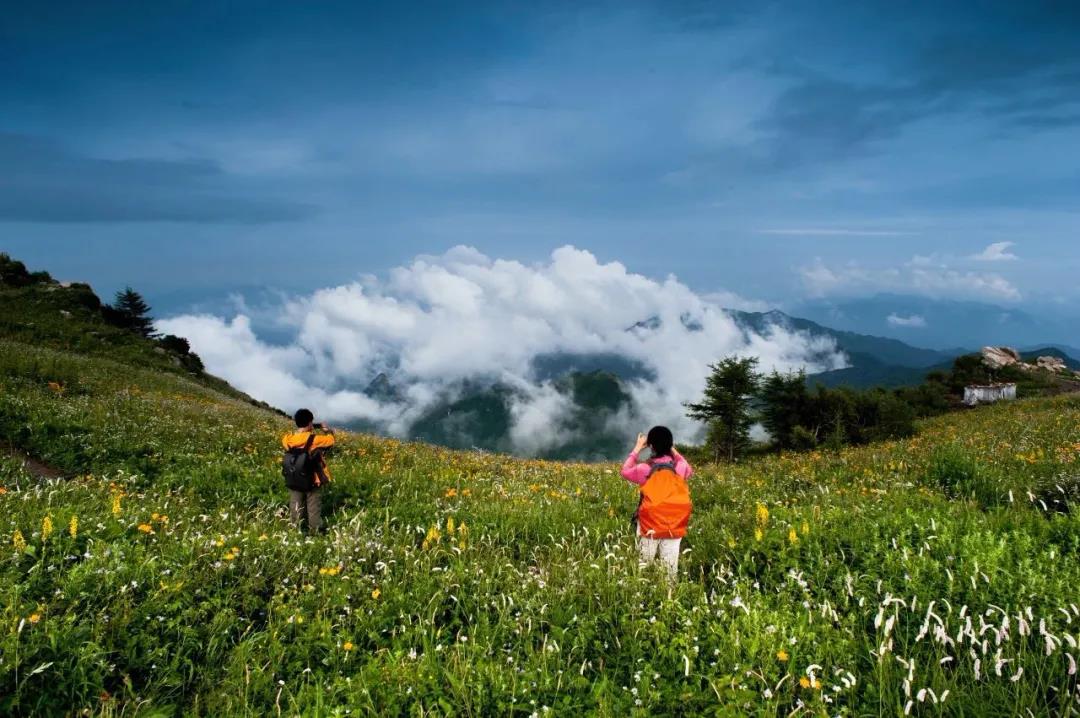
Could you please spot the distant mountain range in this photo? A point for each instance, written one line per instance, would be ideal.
(480, 414)
(945, 324)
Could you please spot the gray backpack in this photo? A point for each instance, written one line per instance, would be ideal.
(299, 467)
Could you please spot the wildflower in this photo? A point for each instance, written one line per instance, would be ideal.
(792, 536)
(758, 534)
(450, 525)
(375, 594)
(804, 682)
(46, 528)
(347, 646)
(263, 537)
(73, 526)
(782, 656)
(146, 528)
(762, 515)
(450, 493)
(34, 617)
(116, 504)
(805, 528)
(2, 491)
(18, 541)
(56, 387)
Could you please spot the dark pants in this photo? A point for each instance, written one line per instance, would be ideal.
(309, 503)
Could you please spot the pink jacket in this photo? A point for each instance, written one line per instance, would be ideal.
(638, 473)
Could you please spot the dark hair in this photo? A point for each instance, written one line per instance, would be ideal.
(660, 440)
(303, 418)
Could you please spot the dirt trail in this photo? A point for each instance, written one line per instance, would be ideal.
(34, 467)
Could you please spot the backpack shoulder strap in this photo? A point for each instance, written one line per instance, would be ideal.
(307, 445)
(661, 465)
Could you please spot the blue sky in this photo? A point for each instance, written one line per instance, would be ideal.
(774, 150)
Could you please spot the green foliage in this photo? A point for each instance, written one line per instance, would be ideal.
(130, 311)
(726, 405)
(785, 407)
(183, 591)
(14, 274)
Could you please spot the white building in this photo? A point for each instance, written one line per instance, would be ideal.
(989, 393)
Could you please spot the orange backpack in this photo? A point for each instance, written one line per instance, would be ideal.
(665, 505)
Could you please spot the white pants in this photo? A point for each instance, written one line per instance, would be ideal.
(668, 549)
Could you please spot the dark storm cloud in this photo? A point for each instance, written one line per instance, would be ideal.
(44, 182)
(902, 63)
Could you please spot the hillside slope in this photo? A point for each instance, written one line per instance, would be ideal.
(37, 310)
(161, 575)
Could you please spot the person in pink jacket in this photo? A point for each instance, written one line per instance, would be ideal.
(661, 445)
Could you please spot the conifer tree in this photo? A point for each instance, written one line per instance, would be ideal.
(725, 407)
(134, 312)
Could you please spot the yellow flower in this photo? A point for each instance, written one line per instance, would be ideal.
(782, 656)
(758, 534)
(731, 542)
(451, 493)
(804, 682)
(792, 536)
(450, 525)
(146, 528)
(229, 556)
(816, 684)
(348, 646)
(2, 491)
(805, 529)
(375, 594)
(34, 617)
(762, 515)
(263, 537)
(73, 526)
(46, 528)
(116, 504)
(18, 541)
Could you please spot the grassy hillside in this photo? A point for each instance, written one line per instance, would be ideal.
(160, 577)
(37, 310)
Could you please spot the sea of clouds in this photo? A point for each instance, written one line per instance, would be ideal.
(439, 322)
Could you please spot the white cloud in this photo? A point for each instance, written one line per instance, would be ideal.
(920, 276)
(462, 316)
(996, 252)
(915, 321)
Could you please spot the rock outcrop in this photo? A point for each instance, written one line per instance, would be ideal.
(1054, 364)
(1000, 357)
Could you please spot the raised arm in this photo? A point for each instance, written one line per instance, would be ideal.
(682, 466)
(634, 471)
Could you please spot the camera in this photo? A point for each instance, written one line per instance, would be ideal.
(317, 426)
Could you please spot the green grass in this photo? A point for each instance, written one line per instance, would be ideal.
(882, 573)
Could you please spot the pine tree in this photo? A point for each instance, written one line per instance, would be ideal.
(726, 405)
(785, 405)
(134, 312)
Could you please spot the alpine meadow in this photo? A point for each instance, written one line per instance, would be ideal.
(487, 359)
(150, 567)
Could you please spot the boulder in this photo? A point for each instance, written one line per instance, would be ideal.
(1054, 364)
(999, 357)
